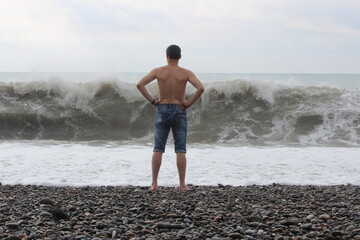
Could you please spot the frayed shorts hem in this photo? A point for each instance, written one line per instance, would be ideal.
(180, 151)
(158, 150)
(176, 151)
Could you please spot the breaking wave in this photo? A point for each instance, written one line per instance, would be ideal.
(236, 112)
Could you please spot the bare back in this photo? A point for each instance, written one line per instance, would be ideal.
(172, 83)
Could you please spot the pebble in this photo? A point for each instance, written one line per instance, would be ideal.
(12, 225)
(13, 237)
(306, 226)
(310, 216)
(324, 217)
(59, 214)
(169, 225)
(207, 212)
(199, 210)
(235, 236)
(350, 228)
(46, 214)
(250, 232)
(47, 201)
(187, 220)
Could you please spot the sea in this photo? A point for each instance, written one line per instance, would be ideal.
(96, 129)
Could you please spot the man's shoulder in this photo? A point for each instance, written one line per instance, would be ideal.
(187, 71)
(160, 69)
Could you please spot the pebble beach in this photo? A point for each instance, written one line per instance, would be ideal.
(219, 212)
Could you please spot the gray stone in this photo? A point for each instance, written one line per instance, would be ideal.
(268, 213)
(324, 217)
(115, 231)
(169, 225)
(295, 230)
(47, 201)
(101, 234)
(248, 237)
(349, 228)
(163, 225)
(235, 235)
(250, 232)
(199, 210)
(80, 237)
(177, 226)
(46, 214)
(13, 237)
(337, 233)
(287, 222)
(306, 226)
(255, 218)
(12, 225)
(310, 216)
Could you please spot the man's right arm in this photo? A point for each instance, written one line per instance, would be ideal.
(199, 90)
(151, 76)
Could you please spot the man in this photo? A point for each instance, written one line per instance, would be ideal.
(170, 110)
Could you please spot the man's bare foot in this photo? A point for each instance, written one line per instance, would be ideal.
(183, 188)
(153, 188)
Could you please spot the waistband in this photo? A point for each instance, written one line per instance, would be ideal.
(171, 106)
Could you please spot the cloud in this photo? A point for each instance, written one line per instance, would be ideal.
(91, 35)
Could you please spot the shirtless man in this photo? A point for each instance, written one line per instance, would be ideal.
(170, 110)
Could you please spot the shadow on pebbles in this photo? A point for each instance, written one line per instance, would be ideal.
(206, 212)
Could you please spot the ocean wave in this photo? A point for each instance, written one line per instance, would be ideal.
(237, 112)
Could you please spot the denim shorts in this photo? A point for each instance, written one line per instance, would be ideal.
(170, 116)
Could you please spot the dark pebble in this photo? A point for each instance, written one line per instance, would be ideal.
(207, 212)
(13, 237)
(59, 214)
(47, 201)
(12, 225)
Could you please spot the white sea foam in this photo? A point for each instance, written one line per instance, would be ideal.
(110, 163)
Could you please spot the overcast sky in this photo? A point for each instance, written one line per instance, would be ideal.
(235, 36)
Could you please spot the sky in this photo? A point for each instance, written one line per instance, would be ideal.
(216, 36)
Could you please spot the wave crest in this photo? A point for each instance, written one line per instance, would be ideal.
(239, 112)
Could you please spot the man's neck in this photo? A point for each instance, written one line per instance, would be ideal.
(173, 62)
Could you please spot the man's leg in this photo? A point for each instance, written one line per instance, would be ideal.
(155, 164)
(181, 165)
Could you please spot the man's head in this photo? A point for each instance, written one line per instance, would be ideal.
(173, 52)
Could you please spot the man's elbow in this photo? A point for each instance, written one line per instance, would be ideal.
(201, 89)
(139, 86)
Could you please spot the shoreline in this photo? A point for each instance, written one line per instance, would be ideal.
(206, 212)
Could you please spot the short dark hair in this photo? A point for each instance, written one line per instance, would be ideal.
(173, 52)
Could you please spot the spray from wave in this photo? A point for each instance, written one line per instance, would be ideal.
(238, 112)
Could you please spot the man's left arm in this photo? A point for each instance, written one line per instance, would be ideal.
(199, 90)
